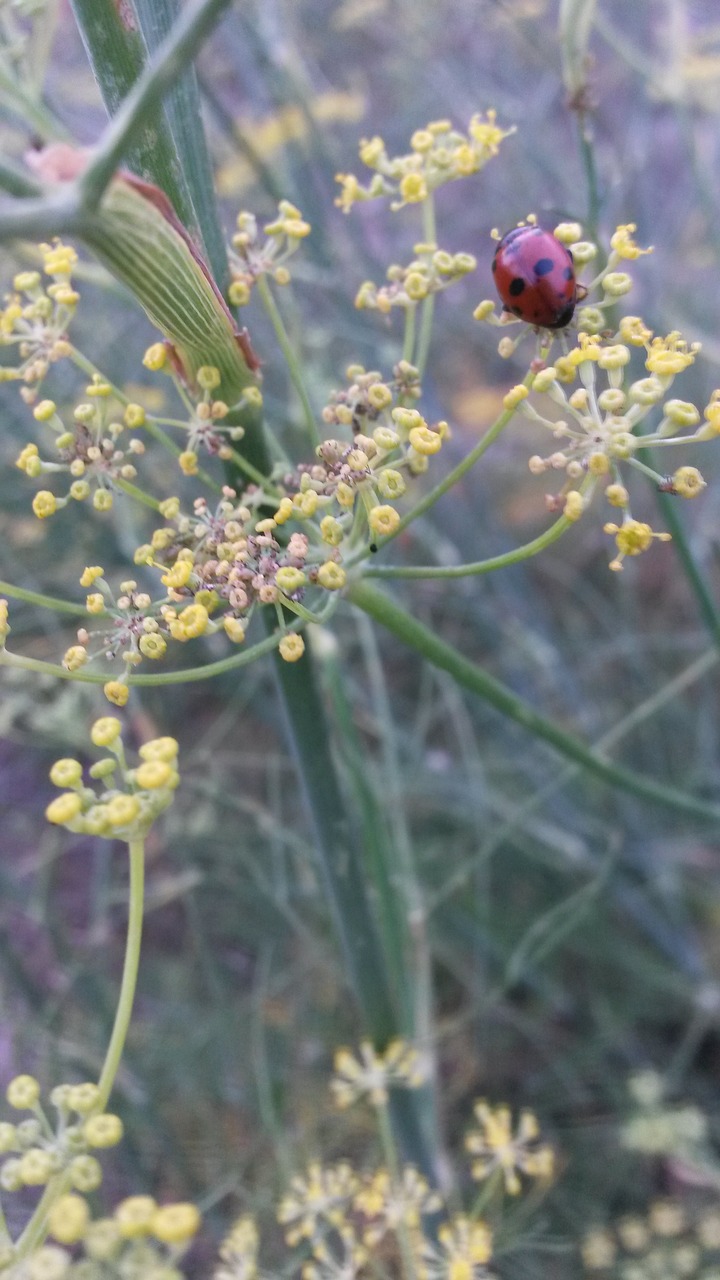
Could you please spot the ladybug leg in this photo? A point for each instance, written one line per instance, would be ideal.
(581, 292)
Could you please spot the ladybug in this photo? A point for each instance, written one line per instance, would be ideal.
(535, 277)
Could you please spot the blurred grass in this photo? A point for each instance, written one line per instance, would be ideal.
(581, 943)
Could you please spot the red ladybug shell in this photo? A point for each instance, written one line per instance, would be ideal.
(535, 277)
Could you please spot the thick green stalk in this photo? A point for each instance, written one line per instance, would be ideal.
(135, 240)
(144, 100)
(182, 109)
(117, 55)
(345, 886)
(472, 677)
(372, 828)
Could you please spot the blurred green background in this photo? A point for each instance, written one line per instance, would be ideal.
(241, 998)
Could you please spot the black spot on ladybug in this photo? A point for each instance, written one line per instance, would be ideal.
(568, 273)
(517, 287)
(564, 318)
(543, 266)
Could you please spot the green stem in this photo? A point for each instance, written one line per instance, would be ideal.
(404, 879)
(221, 667)
(117, 54)
(472, 677)
(591, 177)
(28, 110)
(182, 109)
(36, 1228)
(639, 715)
(428, 306)
(130, 972)
(138, 494)
(507, 558)
(172, 57)
(344, 880)
(45, 602)
(409, 337)
(291, 359)
(387, 1141)
(253, 473)
(16, 181)
(56, 214)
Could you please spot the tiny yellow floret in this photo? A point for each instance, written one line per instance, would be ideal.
(234, 629)
(44, 504)
(175, 1223)
(64, 808)
(515, 397)
(155, 357)
(153, 774)
(44, 410)
(623, 245)
(383, 520)
(68, 1219)
(188, 462)
(122, 810)
(134, 1216)
(331, 576)
(104, 1130)
(574, 505)
(75, 657)
(134, 416)
(116, 692)
(291, 648)
(159, 749)
(105, 731)
(413, 188)
(179, 575)
(688, 482)
(66, 773)
(23, 1093)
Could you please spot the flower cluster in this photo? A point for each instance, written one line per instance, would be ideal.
(57, 1143)
(439, 154)
(209, 427)
(667, 1243)
(605, 425)
(36, 317)
(140, 1241)
(89, 452)
(343, 1216)
(389, 437)
(431, 271)
(218, 565)
(371, 1074)
(129, 799)
(658, 1128)
(597, 409)
(496, 1146)
(255, 253)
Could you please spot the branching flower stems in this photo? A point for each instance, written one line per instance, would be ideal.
(288, 539)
